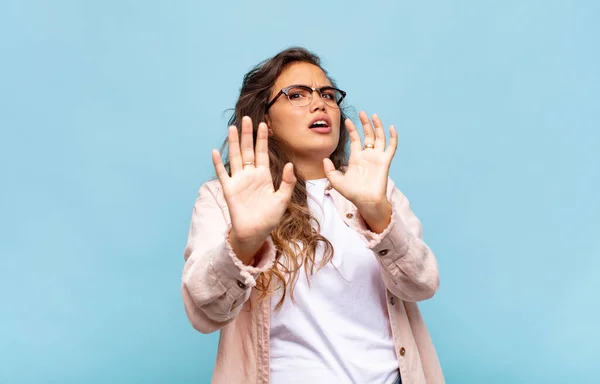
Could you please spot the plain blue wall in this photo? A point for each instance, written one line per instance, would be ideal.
(109, 111)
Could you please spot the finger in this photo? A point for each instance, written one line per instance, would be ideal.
(247, 141)
(219, 167)
(367, 128)
(288, 182)
(261, 152)
(355, 143)
(391, 149)
(235, 158)
(333, 175)
(379, 133)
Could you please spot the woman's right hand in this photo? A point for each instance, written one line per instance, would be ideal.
(254, 205)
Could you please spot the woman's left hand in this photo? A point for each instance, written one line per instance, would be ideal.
(365, 181)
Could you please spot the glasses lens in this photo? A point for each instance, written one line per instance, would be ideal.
(300, 97)
(331, 96)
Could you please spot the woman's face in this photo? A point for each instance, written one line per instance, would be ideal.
(292, 125)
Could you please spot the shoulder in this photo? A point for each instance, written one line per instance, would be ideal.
(212, 190)
(393, 193)
(213, 186)
(391, 186)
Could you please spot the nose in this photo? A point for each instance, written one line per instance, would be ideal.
(317, 102)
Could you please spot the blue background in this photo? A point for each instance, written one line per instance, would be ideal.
(109, 111)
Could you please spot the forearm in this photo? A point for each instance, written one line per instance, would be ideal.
(216, 282)
(410, 268)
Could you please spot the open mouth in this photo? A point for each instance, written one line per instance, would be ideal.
(319, 124)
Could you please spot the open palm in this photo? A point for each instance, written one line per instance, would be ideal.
(255, 207)
(365, 181)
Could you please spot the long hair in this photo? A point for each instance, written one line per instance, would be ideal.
(295, 238)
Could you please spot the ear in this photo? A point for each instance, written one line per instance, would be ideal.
(268, 121)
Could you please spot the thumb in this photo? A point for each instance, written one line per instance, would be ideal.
(288, 181)
(334, 176)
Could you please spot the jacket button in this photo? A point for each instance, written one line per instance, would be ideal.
(349, 215)
(241, 285)
(392, 300)
(329, 187)
(402, 351)
(383, 252)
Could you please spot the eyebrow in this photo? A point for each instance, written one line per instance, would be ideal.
(304, 85)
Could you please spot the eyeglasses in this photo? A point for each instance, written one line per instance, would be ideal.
(302, 95)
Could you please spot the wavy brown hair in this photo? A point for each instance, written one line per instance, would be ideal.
(295, 238)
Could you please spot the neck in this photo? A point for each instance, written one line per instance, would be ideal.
(310, 169)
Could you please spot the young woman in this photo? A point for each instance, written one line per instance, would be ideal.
(303, 253)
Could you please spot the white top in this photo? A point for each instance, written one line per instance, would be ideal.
(338, 331)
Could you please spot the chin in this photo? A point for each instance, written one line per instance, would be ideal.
(323, 150)
(320, 146)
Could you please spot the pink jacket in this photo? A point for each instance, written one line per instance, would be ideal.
(217, 288)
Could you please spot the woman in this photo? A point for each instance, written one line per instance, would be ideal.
(308, 259)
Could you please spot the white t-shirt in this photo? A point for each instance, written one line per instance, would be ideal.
(339, 330)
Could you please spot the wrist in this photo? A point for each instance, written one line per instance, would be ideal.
(375, 210)
(246, 248)
(376, 215)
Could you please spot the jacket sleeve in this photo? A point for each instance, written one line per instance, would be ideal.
(409, 267)
(215, 283)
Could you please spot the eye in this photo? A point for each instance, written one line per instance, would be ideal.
(329, 94)
(298, 94)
